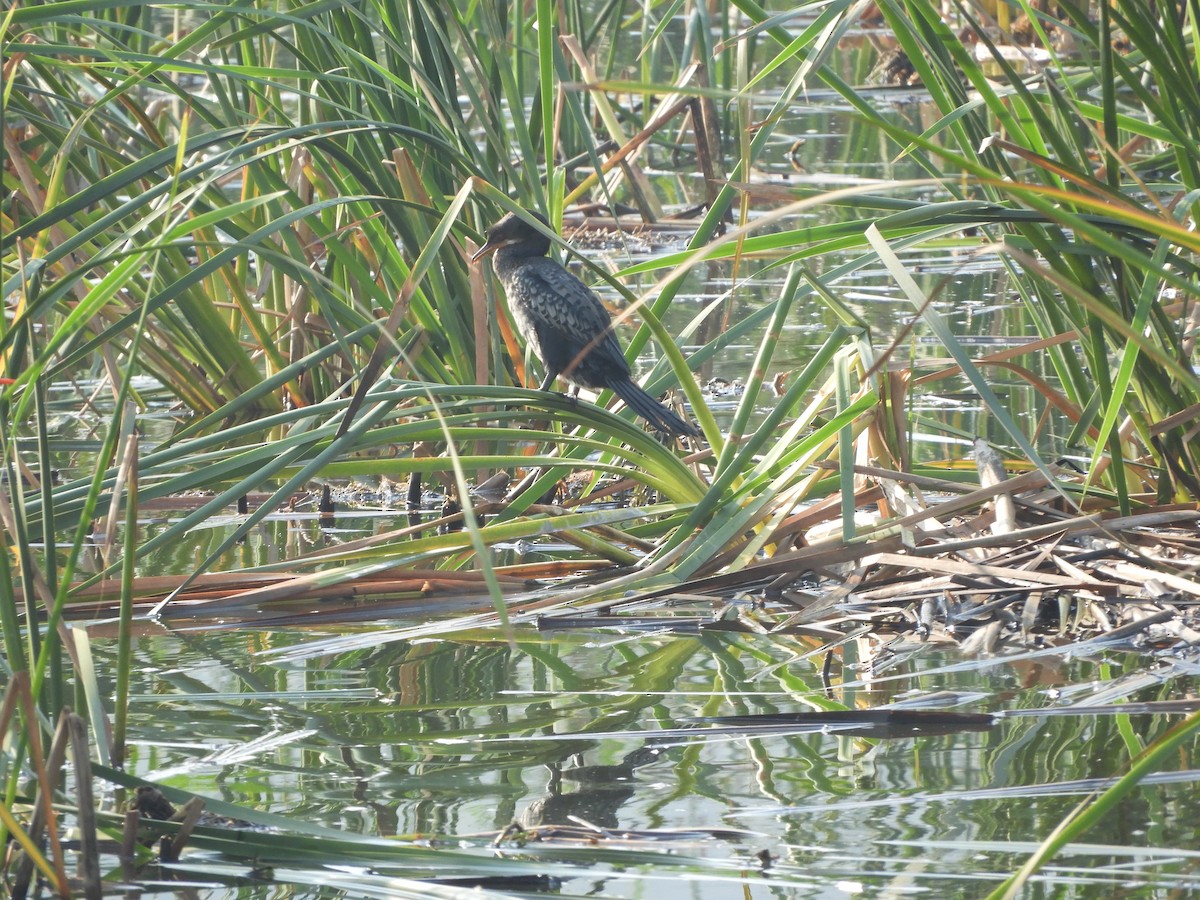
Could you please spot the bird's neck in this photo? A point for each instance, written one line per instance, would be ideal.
(509, 257)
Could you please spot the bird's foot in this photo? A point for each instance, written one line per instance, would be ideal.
(571, 396)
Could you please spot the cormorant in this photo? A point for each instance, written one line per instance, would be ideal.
(565, 322)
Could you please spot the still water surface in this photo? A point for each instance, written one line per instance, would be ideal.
(463, 737)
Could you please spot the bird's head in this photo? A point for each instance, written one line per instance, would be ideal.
(512, 230)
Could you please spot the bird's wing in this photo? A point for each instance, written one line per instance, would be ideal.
(571, 327)
(567, 301)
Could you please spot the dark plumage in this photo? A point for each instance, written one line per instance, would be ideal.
(565, 322)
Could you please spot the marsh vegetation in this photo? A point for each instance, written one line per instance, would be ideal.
(289, 530)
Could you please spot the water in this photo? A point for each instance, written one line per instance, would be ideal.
(463, 737)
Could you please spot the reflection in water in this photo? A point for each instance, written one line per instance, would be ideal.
(464, 738)
(598, 794)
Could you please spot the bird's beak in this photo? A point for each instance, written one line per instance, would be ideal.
(486, 250)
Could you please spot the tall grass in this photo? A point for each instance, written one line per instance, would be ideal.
(234, 202)
(1100, 149)
(262, 206)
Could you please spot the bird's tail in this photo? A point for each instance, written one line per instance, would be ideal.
(653, 411)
